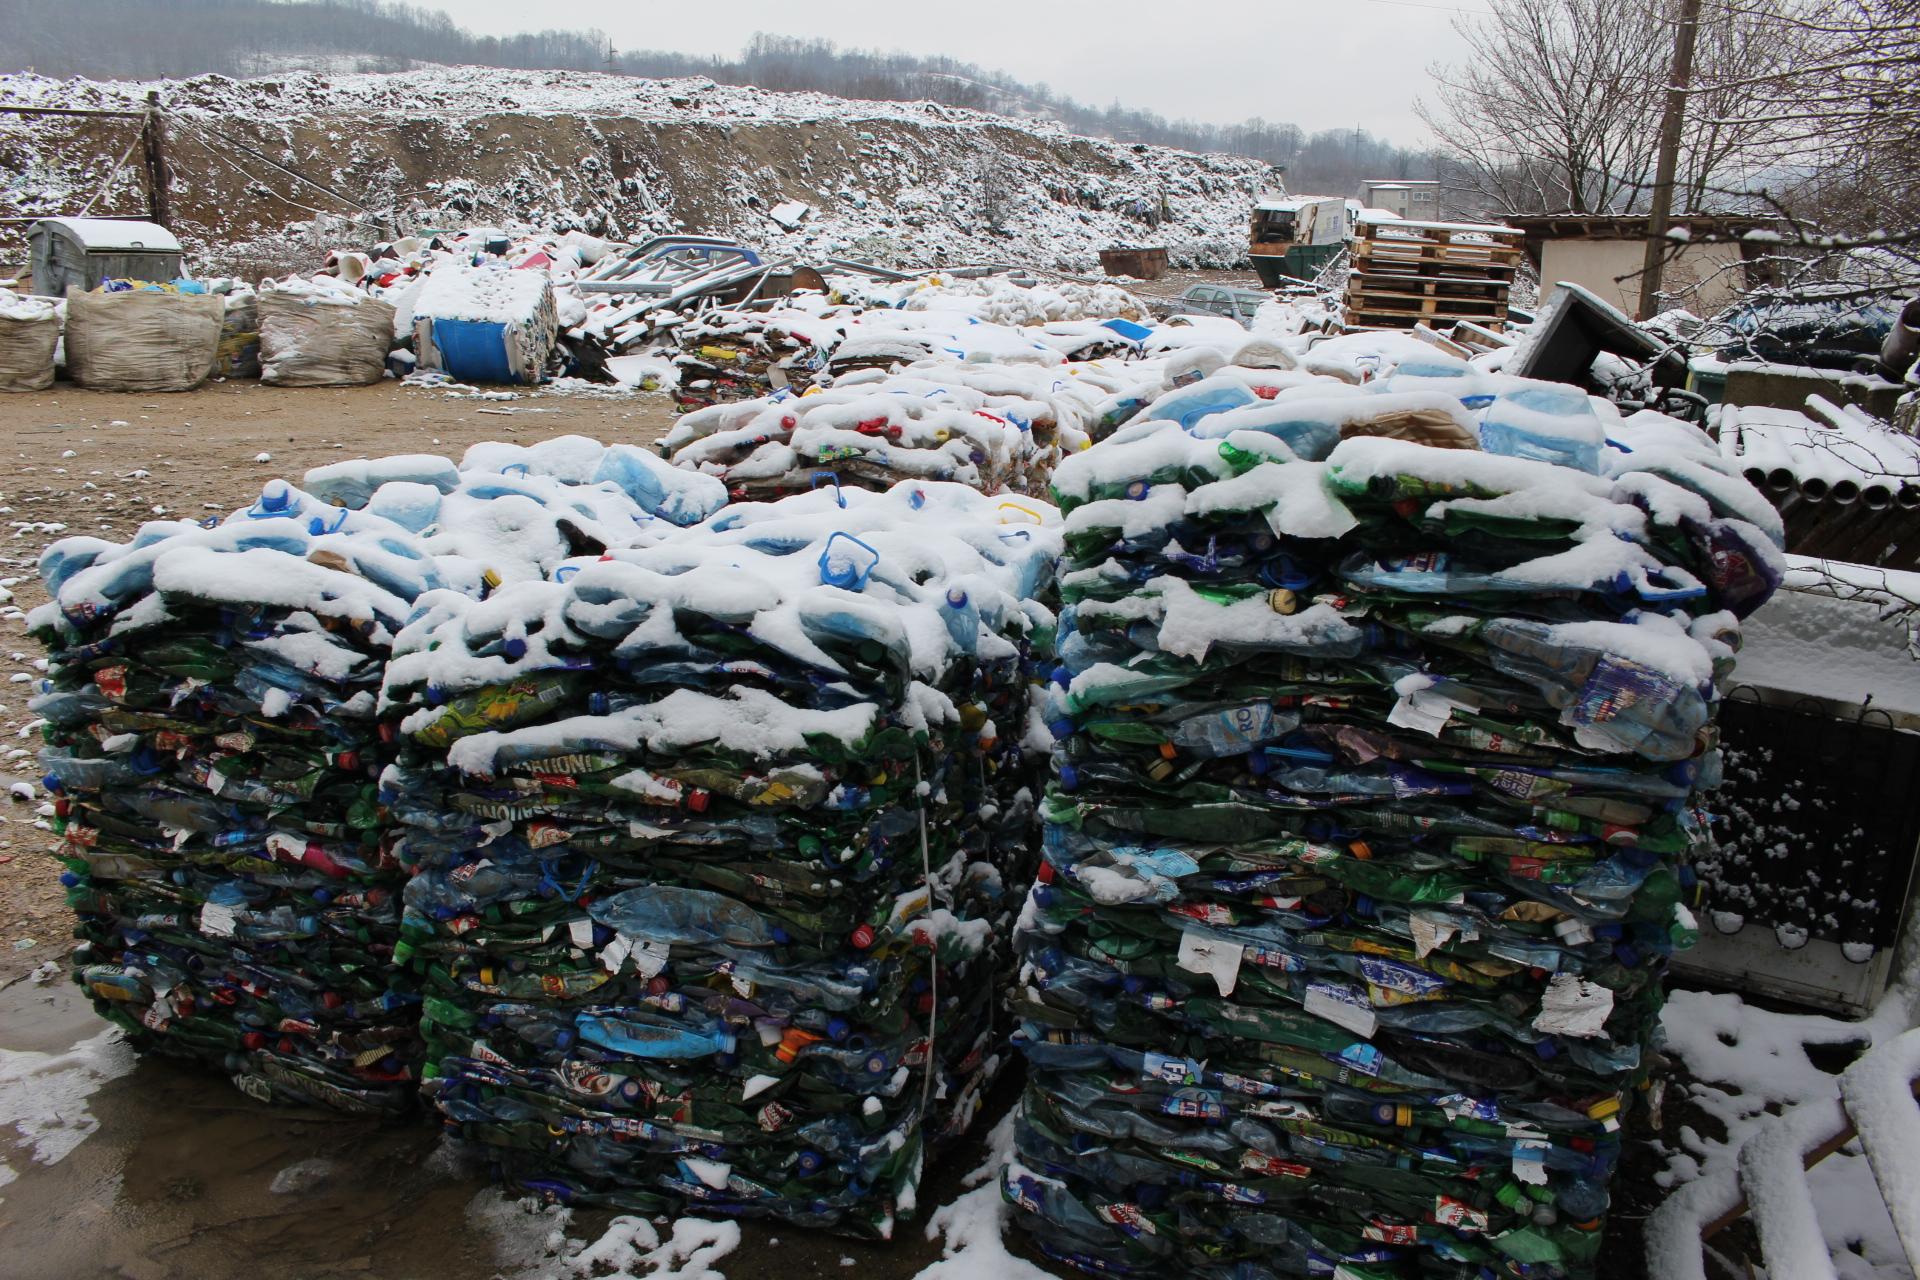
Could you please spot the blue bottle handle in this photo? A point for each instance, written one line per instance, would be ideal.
(839, 497)
(855, 580)
(318, 526)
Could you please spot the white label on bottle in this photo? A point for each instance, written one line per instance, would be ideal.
(1530, 1162)
(1421, 711)
(217, 918)
(614, 954)
(1428, 933)
(1572, 1006)
(1342, 1007)
(581, 931)
(649, 958)
(1218, 960)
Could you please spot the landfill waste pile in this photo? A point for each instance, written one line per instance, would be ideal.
(733, 354)
(214, 750)
(714, 848)
(1383, 714)
(1001, 299)
(997, 429)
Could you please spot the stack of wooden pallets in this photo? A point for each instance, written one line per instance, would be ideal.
(1431, 273)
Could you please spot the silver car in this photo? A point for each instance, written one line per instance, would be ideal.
(1216, 300)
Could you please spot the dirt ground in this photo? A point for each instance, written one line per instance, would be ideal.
(74, 461)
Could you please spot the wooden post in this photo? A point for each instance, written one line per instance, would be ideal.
(1672, 123)
(153, 136)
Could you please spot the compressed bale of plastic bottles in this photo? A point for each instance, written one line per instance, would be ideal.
(1379, 765)
(703, 896)
(995, 429)
(222, 873)
(213, 751)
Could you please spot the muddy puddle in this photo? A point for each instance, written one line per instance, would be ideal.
(112, 1165)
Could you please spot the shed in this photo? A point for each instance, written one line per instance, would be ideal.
(79, 253)
(1605, 254)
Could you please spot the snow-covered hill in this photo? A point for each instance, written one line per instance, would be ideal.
(899, 182)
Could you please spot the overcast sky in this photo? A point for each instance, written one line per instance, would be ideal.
(1322, 64)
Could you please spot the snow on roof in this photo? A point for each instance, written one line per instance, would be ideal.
(1388, 186)
(1368, 214)
(117, 233)
(1838, 631)
(1850, 448)
(1293, 204)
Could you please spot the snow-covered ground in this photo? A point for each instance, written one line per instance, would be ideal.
(1745, 1065)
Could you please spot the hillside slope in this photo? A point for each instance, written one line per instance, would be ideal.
(907, 183)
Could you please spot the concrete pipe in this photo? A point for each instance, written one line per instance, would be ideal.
(1897, 353)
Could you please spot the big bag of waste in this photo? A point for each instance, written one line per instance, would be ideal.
(29, 332)
(322, 333)
(144, 339)
(486, 324)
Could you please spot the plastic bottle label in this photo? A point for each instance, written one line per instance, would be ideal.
(1158, 1066)
(1217, 960)
(1128, 1218)
(650, 958)
(1572, 1006)
(217, 919)
(1449, 1212)
(615, 953)
(1343, 1007)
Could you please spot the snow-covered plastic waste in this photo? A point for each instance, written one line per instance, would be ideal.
(488, 323)
(148, 338)
(212, 751)
(1366, 842)
(29, 336)
(213, 748)
(715, 847)
(996, 429)
(321, 332)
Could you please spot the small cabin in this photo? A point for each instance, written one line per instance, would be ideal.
(80, 253)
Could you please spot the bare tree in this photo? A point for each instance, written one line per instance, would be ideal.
(1557, 106)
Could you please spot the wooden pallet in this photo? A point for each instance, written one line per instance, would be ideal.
(1412, 273)
(1369, 322)
(1433, 281)
(1465, 291)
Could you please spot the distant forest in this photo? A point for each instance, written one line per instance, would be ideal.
(150, 39)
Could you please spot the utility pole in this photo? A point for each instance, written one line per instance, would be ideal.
(1671, 125)
(153, 138)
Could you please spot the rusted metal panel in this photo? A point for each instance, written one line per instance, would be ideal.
(1142, 264)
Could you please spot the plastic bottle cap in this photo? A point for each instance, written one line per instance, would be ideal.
(863, 937)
